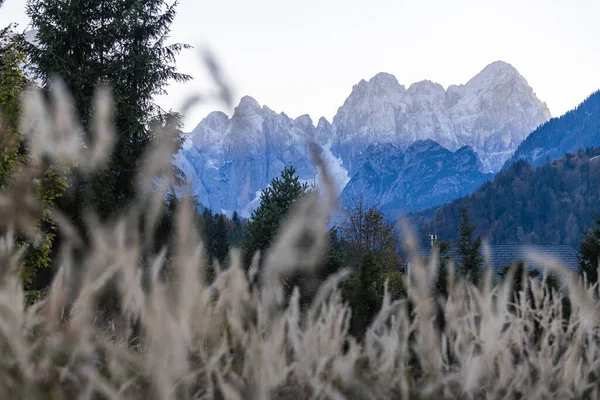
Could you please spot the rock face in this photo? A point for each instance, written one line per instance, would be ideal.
(577, 129)
(403, 149)
(424, 175)
(492, 113)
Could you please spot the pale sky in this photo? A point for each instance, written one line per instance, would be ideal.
(303, 57)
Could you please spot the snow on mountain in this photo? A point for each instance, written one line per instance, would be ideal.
(493, 113)
(335, 168)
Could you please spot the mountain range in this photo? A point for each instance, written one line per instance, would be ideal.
(402, 149)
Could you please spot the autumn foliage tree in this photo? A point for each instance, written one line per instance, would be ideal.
(49, 182)
(365, 229)
(589, 253)
(470, 260)
(371, 247)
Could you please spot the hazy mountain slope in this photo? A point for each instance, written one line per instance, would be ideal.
(424, 175)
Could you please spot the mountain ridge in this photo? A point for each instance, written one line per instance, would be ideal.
(493, 112)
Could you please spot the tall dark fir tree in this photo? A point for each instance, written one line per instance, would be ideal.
(468, 250)
(275, 203)
(121, 44)
(215, 236)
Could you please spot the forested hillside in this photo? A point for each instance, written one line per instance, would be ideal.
(576, 130)
(551, 204)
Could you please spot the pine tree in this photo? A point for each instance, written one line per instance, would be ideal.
(336, 256)
(275, 203)
(215, 236)
(236, 231)
(441, 282)
(468, 250)
(364, 291)
(589, 252)
(120, 43)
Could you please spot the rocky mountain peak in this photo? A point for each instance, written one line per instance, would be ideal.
(380, 86)
(384, 80)
(499, 68)
(247, 104)
(215, 120)
(304, 121)
(323, 123)
(493, 112)
(427, 88)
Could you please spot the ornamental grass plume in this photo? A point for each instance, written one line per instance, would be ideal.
(175, 334)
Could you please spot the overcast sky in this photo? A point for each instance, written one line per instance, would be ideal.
(304, 56)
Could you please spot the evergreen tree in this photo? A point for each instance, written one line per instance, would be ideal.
(275, 203)
(120, 43)
(589, 252)
(336, 256)
(236, 231)
(215, 236)
(441, 282)
(364, 291)
(468, 250)
(164, 233)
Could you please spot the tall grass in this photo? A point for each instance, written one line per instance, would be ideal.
(177, 336)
